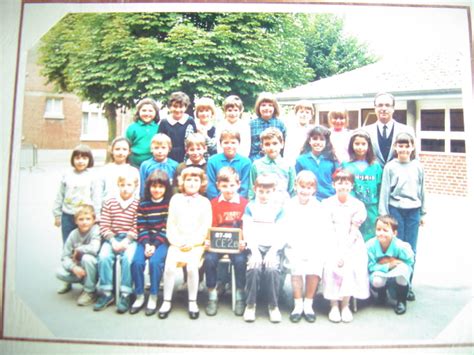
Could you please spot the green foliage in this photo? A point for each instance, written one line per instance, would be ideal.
(329, 52)
(118, 58)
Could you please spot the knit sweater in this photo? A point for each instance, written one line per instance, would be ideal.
(189, 219)
(228, 214)
(87, 243)
(119, 216)
(178, 131)
(151, 222)
(140, 134)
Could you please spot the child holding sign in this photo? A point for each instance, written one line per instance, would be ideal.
(227, 211)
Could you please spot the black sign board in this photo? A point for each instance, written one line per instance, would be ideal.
(224, 240)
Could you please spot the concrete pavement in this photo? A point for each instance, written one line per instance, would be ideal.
(440, 318)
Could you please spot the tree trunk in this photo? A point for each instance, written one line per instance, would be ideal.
(110, 112)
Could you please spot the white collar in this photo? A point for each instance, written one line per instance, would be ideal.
(389, 126)
(234, 199)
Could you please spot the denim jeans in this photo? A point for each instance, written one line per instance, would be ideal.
(156, 265)
(239, 261)
(89, 264)
(106, 265)
(67, 225)
(408, 223)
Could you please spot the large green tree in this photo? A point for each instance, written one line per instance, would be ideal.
(117, 58)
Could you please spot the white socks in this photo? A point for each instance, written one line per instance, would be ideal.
(298, 306)
(308, 306)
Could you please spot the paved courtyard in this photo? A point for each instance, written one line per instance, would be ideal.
(439, 320)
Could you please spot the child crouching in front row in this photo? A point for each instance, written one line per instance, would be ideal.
(390, 258)
(79, 262)
(262, 230)
(189, 218)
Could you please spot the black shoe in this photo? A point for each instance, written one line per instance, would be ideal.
(136, 309)
(193, 315)
(411, 295)
(296, 317)
(151, 311)
(163, 315)
(400, 308)
(311, 318)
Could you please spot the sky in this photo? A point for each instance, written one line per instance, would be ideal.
(408, 31)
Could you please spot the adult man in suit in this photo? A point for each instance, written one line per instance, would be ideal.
(384, 131)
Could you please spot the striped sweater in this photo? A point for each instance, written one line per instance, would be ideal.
(119, 216)
(151, 222)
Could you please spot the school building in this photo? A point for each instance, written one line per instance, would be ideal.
(428, 97)
(58, 121)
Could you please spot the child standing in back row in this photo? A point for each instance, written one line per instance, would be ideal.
(233, 108)
(402, 194)
(78, 186)
(298, 130)
(140, 132)
(178, 125)
(205, 112)
(267, 110)
(367, 178)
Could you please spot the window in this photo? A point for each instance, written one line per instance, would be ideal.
(94, 124)
(353, 119)
(442, 129)
(54, 109)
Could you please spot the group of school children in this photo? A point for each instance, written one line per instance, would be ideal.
(318, 210)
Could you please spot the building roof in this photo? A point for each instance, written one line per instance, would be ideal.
(432, 75)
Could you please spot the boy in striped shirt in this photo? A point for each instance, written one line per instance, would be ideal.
(118, 228)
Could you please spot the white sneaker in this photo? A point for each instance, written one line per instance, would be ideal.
(86, 298)
(275, 315)
(346, 315)
(249, 313)
(335, 314)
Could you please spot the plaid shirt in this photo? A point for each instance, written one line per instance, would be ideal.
(257, 126)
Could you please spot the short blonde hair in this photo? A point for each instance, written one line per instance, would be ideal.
(193, 171)
(195, 139)
(229, 134)
(84, 209)
(267, 97)
(304, 104)
(271, 132)
(307, 177)
(233, 101)
(127, 177)
(161, 138)
(205, 103)
(338, 113)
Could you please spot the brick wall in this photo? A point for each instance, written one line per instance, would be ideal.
(445, 174)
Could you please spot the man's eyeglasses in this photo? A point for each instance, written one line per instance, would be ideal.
(383, 105)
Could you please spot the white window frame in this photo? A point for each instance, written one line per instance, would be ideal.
(53, 109)
(97, 124)
(445, 135)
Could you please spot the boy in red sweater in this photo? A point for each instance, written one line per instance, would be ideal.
(227, 211)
